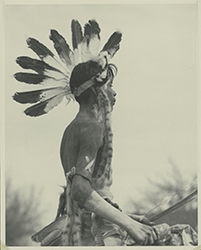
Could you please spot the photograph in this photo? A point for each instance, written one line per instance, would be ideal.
(100, 131)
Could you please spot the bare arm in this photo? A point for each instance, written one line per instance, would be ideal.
(90, 141)
(83, 193)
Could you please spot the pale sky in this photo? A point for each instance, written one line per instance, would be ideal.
(155, 117)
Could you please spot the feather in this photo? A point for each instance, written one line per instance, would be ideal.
(44, 80)
(29, 63)
(43, 233)
(77, 38)
(45, 54)
(91, 41)
(112, 45)
(61, 47)
(37, 95)
(30, 78)
(77, 35)
(40, 67)
(53, 239)
(45, 106)
(41, 50)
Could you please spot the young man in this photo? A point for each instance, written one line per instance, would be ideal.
(82, 145)
(88, 217)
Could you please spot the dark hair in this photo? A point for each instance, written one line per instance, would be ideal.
(84, 72)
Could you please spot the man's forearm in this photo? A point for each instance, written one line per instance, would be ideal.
(102, 208)
(92, 201)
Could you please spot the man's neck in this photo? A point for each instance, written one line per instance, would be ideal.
(86, 111)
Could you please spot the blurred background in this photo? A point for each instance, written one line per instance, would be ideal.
(154, 120)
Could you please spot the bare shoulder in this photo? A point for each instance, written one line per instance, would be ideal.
(81, 127)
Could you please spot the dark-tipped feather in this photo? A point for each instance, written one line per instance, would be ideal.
(42, 107)
(113, 43)
(28, 97)
(61, 47)
(37, 95)
(77, 35)
(39, 108)
(40, 49)
(30, 78)
(91, 29)
(39, 66)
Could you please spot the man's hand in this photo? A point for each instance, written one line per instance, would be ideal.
(143, 235)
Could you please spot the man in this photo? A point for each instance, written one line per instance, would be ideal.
(86, 148)
(82, 143)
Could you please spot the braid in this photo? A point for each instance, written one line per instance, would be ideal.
(107, 150)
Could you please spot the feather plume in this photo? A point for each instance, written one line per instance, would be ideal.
(56, 71)
(41, 50)
(91, 41)
(61, 47)
(44, 80)
(44, 106)
(29, 63)
(77, 38)
(30, 78)
(112, 45)
(77, 35)
(38, 95)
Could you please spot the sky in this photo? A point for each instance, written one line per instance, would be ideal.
(155, 116)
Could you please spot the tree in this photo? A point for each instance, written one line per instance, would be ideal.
(174, 186)
(23, 215)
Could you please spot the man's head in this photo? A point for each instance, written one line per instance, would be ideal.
(86, 73)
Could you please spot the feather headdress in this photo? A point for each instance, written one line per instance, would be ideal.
(54, 72)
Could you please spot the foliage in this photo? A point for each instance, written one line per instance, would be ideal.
(157, 196)
(22, 215)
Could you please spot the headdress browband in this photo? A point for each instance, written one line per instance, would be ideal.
(55, 72)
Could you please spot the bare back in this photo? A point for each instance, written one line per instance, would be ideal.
(80, 143)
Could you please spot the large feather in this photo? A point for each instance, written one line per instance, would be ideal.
(40, 67)
(29, 63)
(61, 47)
(91, 41)
(38, 95)
(30, 78)
(44, 80)
(77, 35)
(45, 54)
(112, 45)
(45, 106)
(58, 224)
(77, 38)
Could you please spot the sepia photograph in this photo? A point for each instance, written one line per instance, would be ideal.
(100, 130)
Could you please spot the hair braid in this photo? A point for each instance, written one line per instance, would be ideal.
(107, 150)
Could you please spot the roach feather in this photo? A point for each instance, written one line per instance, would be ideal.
(42, 107)
(37, 95)
(91, 30)
(61, 47)
(30, 78)
(44, 80)
(40, 49)
(39, 66)
(77, 35)
(112, 44)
